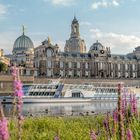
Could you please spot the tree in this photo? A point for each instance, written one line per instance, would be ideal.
(3, 67)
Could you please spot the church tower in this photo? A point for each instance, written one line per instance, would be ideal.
(75, 28)
(75, 44)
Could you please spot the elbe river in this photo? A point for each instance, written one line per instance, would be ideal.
(62, 109)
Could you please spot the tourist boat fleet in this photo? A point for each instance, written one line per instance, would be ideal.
(57, 92)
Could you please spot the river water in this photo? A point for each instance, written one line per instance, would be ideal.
(63, 109)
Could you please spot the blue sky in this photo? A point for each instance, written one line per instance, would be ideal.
(115, 23)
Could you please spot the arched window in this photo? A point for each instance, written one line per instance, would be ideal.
(49, 53)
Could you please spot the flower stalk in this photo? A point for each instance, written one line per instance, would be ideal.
(120, 116)
(4, 133)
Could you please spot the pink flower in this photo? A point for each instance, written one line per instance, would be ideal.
(18, 93)
(4, 135)
(133, 104)
(93, 135)
(56, 137)
(18, 85)
(129, 134)
(115, 115)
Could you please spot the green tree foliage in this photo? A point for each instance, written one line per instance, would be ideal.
(3, 67)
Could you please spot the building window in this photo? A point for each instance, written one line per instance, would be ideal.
(49, 64)
(78, 73)
(119, 66)
(49, 52)
(134, 75)
(101, 65)
(70, 64)
(126, 74)
(49, 73)
(86, 65)
(61, 73)
(75, 65)
(1, 84)
(126, 66)
(86, 73)
(78, 65)
(119, 74)
(61, 64)
(111, 65)
(70, 73)
(133, 67)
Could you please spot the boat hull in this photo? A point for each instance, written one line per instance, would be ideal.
(30, 100)
(9, 100)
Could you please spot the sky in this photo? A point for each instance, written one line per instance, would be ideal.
(114, 23)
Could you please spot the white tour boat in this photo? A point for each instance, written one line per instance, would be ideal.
(64, 93)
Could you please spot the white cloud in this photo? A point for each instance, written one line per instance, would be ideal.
(3, 9)
(119, 43)
(105, 4)
(61, 2)
(115, 3)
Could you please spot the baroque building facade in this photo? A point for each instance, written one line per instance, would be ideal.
(75, 62)
(23, 54)
(3, 58)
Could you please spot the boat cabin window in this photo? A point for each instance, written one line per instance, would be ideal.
(76, 95)
(52, 94)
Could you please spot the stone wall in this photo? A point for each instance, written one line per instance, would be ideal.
(6, 82)
(127, 82)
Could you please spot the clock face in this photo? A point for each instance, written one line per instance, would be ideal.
(49, 52)
(102, 52)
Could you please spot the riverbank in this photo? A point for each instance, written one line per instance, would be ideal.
(68, 128)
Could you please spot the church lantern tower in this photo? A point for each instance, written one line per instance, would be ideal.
(75, 44)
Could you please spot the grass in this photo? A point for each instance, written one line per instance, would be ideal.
(69, 128)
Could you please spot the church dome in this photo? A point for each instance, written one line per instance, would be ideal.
(23, 43)
(137, 49)
(97, 46)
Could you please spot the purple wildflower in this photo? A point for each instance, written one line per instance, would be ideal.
(134, 105)
(56, 137)
(115, 115)
(4, 135)
(93, 135)
(129, 134)
(120, 116)
(124, 104)
(18, 93)
(105, 124)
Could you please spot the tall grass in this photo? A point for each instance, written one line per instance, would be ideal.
(70, 128)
